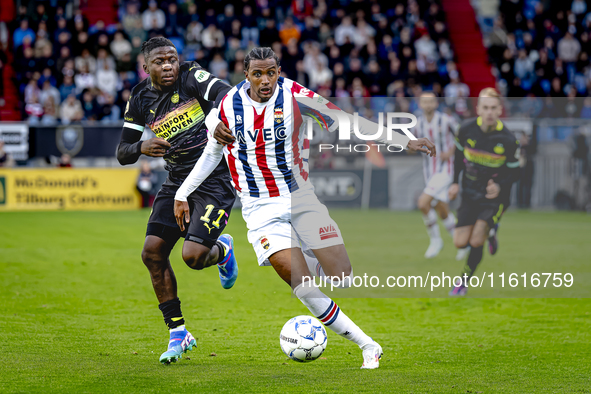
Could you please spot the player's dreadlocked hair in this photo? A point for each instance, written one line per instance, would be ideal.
(153, 43)
(260, 53)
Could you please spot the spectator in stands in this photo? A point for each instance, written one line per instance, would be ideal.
(578, 7)
(50, 114)
(71, 110)
(84, 80)
(65, 161)
(212, 37)
(109, 112)
(455, 89)
(289, 31)
(193, 36)
(217, 65)
(225, 20)
(320, 76)
(107, 79)
(48, 91)
(68, 70)
(47, 74)
(103, 58)
(85, 61)
(425, 46)
(137, 31)
(146, 182)
(568, 51)
(524, 67)
(310, 32)
(65, 55)
(345, 31)
(363, 33)
(314, 58)
(90, 106)
(34, 110)
(174, 26)
(81, 43)
(102, 42)
(120, 46)
(42, 40)
(301, 76)
(62, 27)
(375, 79)
(153, 19)
(32, 91)
(122, 100)
(23, 31)
(250, 31)
(130, 18)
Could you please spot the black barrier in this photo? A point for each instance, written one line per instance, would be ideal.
(76, 140)
(348, 188)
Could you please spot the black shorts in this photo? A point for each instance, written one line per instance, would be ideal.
(210, 206)
(471, 211)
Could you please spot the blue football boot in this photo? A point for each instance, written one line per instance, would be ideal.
(180, 342)
(228, 267)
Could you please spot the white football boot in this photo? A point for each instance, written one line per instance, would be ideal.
(434, 248)
(372, 355)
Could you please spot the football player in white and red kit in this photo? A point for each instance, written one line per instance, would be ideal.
(438, 171)
(269, 168)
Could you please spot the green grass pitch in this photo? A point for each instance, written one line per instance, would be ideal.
(78, 315)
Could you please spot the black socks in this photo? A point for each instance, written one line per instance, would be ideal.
(474, 258)
(171, 310)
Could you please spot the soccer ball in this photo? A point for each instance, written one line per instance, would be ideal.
(303, 339)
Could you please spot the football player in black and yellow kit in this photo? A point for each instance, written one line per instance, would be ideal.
(174, 101)
(488, 155)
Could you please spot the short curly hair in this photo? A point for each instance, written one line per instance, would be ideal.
(153, 43)
(260, 53)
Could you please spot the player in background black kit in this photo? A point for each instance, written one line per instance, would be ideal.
(488, 154)
(174, 102)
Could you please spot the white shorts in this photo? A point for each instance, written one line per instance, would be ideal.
(298, 220)
(437, 186)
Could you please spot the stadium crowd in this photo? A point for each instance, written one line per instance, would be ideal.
(69, 71)
(543, 52)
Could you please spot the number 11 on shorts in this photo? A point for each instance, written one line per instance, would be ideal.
(205, 218)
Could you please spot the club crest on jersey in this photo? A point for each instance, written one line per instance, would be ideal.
(175, 98)
(279, 115)
(499, 149)
(471, 142)
(327, 232)
(264, 242)
(238, 119)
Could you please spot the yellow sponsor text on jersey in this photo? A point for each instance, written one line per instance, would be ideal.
(484, 158)
(178, 120)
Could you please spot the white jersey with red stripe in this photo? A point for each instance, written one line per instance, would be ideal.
(269, 157)
(440, 130)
